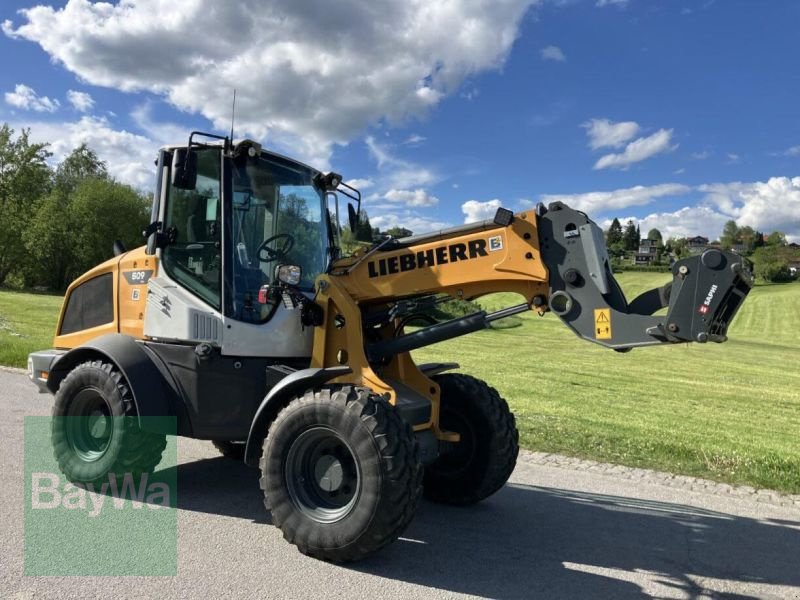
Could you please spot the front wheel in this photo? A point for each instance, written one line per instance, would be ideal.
(95, 427)
(482, 461)
(340, 473)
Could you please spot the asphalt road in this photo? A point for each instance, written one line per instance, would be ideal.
(551, 533)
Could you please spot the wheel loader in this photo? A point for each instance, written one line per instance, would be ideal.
(242, 320)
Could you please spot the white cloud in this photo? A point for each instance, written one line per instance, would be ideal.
(475, 210)
(282, 58)
(26, 98)
(604, 133)
(360, 184)
(415, 139)
(772, 205)
(412, 221)
(638, 150)
(686, 222)
(418, 197)
(601, 202)
(793, 151)
(129, 156)
(400, 173)
(620, 3)
(701, 155)
(81, 101)
(164, 133)
(733, 158)
(552, 53)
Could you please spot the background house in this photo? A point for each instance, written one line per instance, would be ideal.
(647, 253)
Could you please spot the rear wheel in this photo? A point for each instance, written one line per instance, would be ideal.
(95, 429)
(340, 473)
(482, 461)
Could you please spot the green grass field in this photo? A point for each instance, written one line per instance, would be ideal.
(27, 323)
(725, 411)
(729, 411)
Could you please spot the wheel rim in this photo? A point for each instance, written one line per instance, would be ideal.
(322, 476)
(89, 425)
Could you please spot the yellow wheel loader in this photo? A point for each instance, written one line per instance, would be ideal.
(242, 321)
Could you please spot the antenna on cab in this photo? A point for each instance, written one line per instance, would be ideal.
(233, 113)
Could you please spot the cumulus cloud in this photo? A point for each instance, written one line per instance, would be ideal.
(475, 210)
(129, 156)
(604, 133)
(772, 205)
(412, 221)
(399, 173)
(638, 150)
(600, 202)
(360, 183)
(287, 60)
(81, 101)
(418, 197)
(26, 98)
(553, 53)
(688, 221)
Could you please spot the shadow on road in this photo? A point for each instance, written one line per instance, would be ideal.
(528, 541)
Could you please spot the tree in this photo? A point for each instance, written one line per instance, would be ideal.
(770, 264)
(81, 164)
(24, 179)
(399, 232)
(655, 235)
(363, 232)
(730, 235)
(747, 236)
(678, 246)
(614, 233)
(776, 238)
(630, 236)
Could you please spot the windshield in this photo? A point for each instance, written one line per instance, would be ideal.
(277, 219)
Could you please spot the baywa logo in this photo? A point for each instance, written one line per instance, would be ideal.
(50, 491)
(124, 523)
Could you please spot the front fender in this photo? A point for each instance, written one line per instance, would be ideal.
(287, 388)
(152, 387)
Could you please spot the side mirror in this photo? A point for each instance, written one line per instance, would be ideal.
(352, 217)
(288, 274)
(184, 169)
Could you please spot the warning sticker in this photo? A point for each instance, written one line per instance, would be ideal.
(602, 323)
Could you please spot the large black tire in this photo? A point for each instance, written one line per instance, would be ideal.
(95, 429)
(234, 450)
(481, 463)
(341, 473)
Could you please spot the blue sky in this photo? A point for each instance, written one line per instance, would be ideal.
(681, 114)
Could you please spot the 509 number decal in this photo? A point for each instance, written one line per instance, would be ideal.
(138, 277)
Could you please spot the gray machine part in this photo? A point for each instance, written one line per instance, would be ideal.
(702, 299)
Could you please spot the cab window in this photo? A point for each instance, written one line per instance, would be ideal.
(193, 217)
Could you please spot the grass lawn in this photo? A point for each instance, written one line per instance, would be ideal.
(728, 411)
(27, 323)
(724, 411)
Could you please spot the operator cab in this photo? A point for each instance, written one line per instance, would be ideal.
(234, 226)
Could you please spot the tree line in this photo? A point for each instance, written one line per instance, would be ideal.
(770, 254)
(56, 222)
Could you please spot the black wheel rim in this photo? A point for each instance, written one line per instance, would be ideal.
(89, 425)
(322, 476)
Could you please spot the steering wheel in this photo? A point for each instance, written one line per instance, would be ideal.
(267, 254)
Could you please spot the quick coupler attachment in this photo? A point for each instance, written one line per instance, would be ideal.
(701, 300)
(704, 296)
